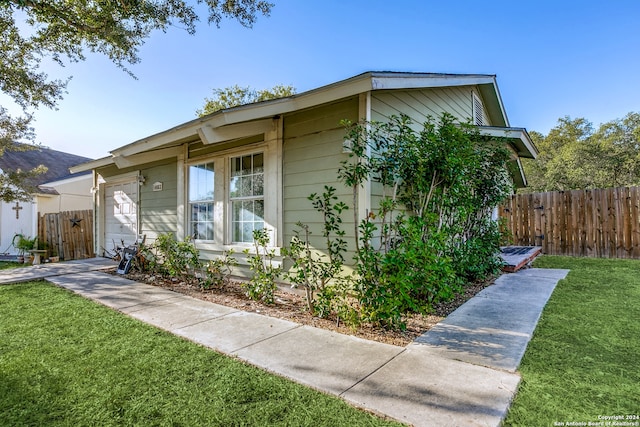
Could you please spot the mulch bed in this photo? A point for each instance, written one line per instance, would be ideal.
(290, 305)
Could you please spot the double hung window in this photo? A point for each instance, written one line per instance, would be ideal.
(201, 201)
(246, 196)
(225, 207)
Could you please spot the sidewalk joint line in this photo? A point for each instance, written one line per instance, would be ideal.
(297, 325)
(372, 372)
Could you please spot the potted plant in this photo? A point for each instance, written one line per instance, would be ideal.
(54, 255)
(23, 244)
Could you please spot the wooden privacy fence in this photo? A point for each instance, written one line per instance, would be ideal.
(602, 223)
(68, 234)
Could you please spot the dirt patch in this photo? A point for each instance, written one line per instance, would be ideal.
(290, 305)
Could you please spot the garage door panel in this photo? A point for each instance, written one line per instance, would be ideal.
(121, 219)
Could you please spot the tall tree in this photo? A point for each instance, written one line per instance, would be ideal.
(33, 31)
(234, 96)
(574, 155)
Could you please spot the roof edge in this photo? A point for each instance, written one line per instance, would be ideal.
(361, 83)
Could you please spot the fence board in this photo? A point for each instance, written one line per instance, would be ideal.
(635, 228)
(593, 223)
(68, 234)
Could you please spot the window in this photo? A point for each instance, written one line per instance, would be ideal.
(246, 195)
(201, 198)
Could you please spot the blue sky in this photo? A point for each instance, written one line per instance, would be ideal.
(551, 58)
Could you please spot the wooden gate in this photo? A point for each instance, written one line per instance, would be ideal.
(602, 223)
(68, 234)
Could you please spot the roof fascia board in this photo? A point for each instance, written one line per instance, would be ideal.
(148, 157)
(211, 135)
(522, 175)
(276, 107)
(94, 164)
(496, 109)
(416, 82)
(520, 137)
(66, 180)
(247, 113)
(353, 86)
(152, 142)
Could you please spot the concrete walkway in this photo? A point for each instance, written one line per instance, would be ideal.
(460, 373)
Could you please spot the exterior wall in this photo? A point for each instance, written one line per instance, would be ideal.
(312, 152)
(153, 171)
(419, 104)
(73, 196)
(158, 208)
(25, 224)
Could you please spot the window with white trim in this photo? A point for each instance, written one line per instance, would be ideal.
(201, 201)
(246, 196)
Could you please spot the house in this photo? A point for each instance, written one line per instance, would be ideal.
(219, 177)
(57, 190)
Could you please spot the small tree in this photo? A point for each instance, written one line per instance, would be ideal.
(433, 229)
(262, 284)
(63, 31)
(314, 271)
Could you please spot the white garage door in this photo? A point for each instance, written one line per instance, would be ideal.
(121, 216)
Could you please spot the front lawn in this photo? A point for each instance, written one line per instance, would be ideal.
(65, 361)
(583, 363)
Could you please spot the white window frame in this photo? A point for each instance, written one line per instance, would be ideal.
(223, 232)
(212, 201)
(246, 198)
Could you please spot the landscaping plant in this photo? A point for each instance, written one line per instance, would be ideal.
(173, 257)
(313, 270)
(262, 284)
(217, 271)
(181, 259)
(432, 231)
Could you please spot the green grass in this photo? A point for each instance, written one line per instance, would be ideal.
(584, 358)
(67, 361)
(4, 265)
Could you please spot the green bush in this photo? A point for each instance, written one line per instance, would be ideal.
(262, 284)
(218, 270)
(172, 257)
(313, 271)
(433, 230)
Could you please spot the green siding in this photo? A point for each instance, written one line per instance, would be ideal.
(419, 104)
(312, 153)
(158, 209)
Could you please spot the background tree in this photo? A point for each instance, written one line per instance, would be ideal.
(574, 156)
(62, 31)
(234, 96)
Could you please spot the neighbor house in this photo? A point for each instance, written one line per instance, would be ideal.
(57, 190)
(219, 177)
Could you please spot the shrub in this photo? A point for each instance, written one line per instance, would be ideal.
(314, 271)
(433, 230)
(218, 270)
(172, 257)
(262, 284)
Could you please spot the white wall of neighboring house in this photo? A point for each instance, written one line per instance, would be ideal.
(74, 194)
(26, 223)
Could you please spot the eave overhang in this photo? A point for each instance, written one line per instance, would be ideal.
(256, 117)
(94, 164)
(518, 138)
